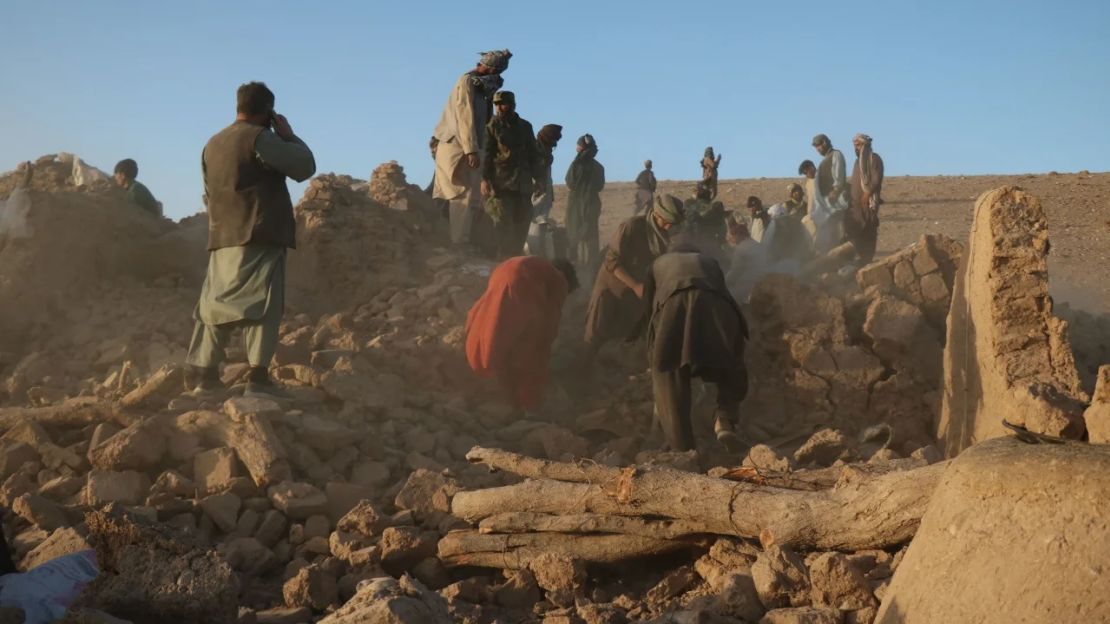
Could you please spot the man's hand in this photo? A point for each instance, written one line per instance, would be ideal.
(540, 188)
(638, 288)
(485, 189)
(472, 161)
(282, 127)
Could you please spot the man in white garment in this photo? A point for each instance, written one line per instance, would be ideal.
(458, 146)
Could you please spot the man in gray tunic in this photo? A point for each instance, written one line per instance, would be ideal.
(696, 329)
(250, 225)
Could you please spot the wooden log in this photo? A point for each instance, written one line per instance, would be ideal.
(525, 522)
(818, 478)
(864, 513)
(78, 412)
(515, 551)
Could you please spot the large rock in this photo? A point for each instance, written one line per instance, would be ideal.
(312, 587)
(137, 447)
(392, 601)
(151, 573)
(781, 578)
(298, 500)
(427, 492)
(1097, 416)
(1007, 356)
(1014, 533)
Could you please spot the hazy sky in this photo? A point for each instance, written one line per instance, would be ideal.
(943, 87)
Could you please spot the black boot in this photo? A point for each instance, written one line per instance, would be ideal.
(202, 379)
(726, 432)
(260, 385)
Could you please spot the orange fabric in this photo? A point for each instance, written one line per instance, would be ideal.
(510, 329)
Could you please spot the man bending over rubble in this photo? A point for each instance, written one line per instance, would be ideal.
(250, 225)
(125, 173)
(696, 330)
(510, 329)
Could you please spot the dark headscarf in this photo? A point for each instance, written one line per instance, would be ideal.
(669, 209)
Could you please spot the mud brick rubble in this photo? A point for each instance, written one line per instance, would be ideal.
(335, 506)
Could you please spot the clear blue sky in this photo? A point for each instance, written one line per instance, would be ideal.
(943, 87)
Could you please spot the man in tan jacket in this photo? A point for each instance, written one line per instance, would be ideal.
(458, 145)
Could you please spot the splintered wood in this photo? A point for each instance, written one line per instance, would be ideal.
(601, 514)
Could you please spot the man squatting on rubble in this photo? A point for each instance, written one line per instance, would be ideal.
(125, 173)
(512, 168)
(510, 329)
(696, 329)
(458, 147)
(250, 225)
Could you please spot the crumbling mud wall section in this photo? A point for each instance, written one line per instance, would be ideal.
(852, 355)
(971, 561)
(1007, 356)
(349, 247)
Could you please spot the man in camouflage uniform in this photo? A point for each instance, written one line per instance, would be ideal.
(512, 169)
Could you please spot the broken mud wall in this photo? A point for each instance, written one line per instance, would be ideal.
(1007, 356)
(1015, 532)
(850, 355)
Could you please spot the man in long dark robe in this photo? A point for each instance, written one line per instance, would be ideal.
(585, 179)
(861, 224)
(645, 189)
(616, 305)
(696, 330)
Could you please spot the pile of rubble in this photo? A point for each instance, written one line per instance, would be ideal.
(345, 503)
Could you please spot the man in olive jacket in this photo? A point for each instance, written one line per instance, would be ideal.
(511, 170)
(250, 225)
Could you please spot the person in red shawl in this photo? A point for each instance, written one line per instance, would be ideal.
(510, 329)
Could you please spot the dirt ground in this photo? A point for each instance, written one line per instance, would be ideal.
(1077, 204)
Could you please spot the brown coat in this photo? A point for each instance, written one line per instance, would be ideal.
(695, 322)
(615, 310)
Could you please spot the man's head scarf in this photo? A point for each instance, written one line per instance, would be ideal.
(647, 164)
(793, 186)
(866, 171)
(588, 145)
(669, 209)
(550, 134)
(497, 60)
(821, 139)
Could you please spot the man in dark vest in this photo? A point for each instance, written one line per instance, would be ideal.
(695, 329)
(250, 225)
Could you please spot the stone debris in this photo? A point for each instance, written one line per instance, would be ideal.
(331, 504)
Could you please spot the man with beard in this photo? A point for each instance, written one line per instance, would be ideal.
(512, 168)
(861, 224)
(696, 329)
(645, 189)
(250, 225)
(458, 146)
(617, 302)
(546, 140)
(585, 179)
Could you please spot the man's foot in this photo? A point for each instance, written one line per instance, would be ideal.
(726, 434)
(259, 385)
(202, 380)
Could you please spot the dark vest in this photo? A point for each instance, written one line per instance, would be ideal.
(247, 203)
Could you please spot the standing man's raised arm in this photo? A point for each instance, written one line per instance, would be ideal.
(289, 155)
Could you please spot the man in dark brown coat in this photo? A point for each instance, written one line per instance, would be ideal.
(861, 224)
(617, 304)
(696, 330)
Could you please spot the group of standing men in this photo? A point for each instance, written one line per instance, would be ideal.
(841, 208)
(494, 172)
